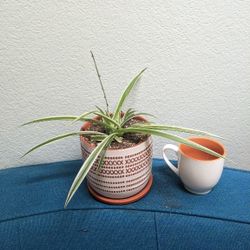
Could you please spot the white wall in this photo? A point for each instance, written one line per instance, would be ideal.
(197, 54)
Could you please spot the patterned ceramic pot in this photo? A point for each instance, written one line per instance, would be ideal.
(125, 172)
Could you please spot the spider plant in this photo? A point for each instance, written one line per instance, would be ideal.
(114, 123)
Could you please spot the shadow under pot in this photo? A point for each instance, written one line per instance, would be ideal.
(126, 174)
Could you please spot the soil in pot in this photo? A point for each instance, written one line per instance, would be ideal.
(128, 140)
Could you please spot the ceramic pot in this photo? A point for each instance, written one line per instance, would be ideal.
(125, 172)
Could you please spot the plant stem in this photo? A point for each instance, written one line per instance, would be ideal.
(100, 80)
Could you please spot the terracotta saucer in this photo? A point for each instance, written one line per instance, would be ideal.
(128, 200)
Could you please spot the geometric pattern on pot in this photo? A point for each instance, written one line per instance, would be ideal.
(125, 172)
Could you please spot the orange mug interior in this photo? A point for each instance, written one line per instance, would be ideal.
(199, 155)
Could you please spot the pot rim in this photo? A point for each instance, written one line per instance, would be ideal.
(92, 145)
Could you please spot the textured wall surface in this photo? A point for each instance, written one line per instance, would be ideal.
(197, 54)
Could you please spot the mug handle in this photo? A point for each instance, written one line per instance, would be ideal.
(170, 165)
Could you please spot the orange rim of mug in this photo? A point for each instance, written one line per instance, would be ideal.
(218, 148)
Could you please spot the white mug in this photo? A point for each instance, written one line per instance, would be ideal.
(198, 171)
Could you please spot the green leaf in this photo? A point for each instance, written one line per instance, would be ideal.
(59, 137)
(107, 118)
(83, 116)
(125, 94)
(104, 124)
(118, 139)
(129, 114)
(102, 154)
(52, 118)
(173, 128)
(97, 138)
(101, 159)
(101, 110)
(134, 115)
(86, 167)
(173, 138)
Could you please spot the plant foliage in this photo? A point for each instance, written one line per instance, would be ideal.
(114, 124)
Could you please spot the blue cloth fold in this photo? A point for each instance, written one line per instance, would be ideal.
(32, 214)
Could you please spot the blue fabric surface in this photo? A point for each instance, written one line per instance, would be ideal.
(32, 214)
